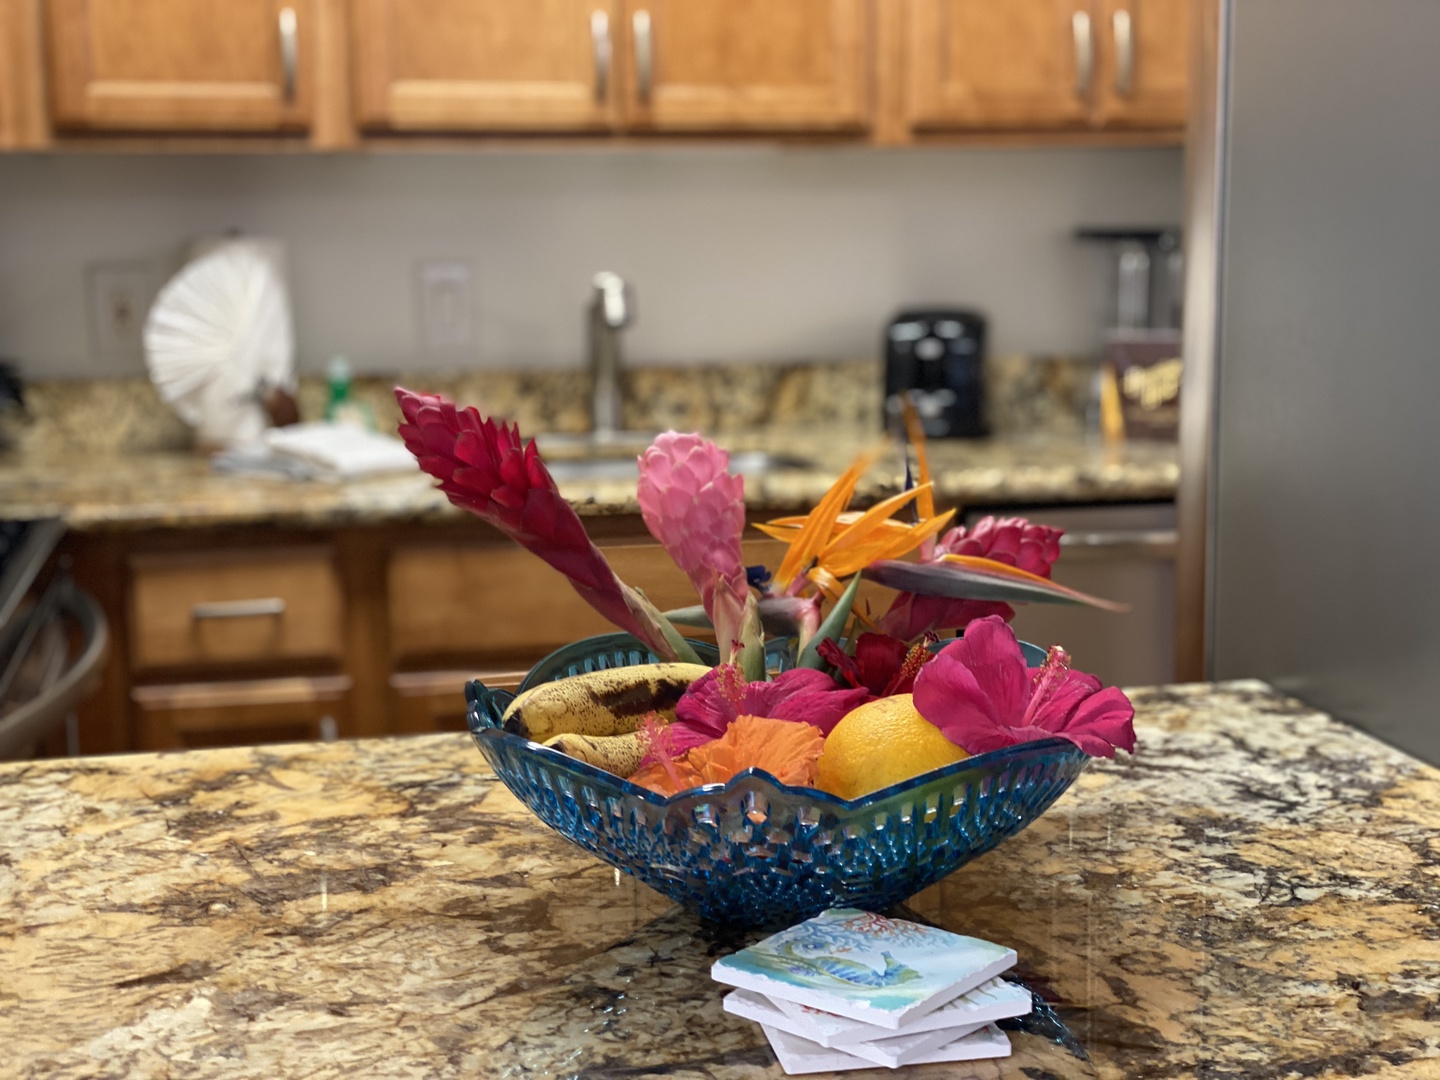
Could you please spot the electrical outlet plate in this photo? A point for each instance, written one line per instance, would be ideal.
(445, 291)
(117, 299)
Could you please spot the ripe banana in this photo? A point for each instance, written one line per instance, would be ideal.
(618, 754)
(608, 702)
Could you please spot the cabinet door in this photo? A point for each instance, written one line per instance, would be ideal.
(24, 121)
(748, 65)
(983, 64)
(181, 65)
(1145, 52)
(485, 65)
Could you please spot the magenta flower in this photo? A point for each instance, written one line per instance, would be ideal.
(1013, 541)
(982, 696)
(484, 467)
(696, 509)
(715, 700)
(882, 665)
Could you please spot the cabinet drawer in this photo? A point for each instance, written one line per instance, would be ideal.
(226, 607)
(240, 713)
(504, 602)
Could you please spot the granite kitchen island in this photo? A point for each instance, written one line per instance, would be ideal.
(1255, 894)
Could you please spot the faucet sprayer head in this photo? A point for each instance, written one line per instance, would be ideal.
(614, 299)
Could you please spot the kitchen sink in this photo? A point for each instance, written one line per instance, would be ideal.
(588, 445)
(585, 457)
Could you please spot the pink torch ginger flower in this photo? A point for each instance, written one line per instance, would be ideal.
(696, 509)
(1013, 541)
(716, 699)
(979, 692)
(484, 467)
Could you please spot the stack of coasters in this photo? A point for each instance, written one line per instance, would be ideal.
(851, 990)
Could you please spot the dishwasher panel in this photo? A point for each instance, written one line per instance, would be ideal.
(1124, 553)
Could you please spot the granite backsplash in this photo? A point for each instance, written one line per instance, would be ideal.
(1043, 395)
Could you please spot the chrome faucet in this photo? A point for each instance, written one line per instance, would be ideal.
(611, 309)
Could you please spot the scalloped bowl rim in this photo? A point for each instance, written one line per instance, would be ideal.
(707, 792)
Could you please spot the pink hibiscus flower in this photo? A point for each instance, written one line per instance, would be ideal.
(718, 698)
(981, 695)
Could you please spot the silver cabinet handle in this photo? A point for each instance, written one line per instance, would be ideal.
(600, 37)
(644, 55)
(289, 53)
(1124, 52)
(1084, 52)
(238, 609)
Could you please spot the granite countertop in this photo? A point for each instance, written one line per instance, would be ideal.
(1255, 894)
(179, 489)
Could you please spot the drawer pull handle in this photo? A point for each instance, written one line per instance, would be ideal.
(238, 609)
(1158, 539)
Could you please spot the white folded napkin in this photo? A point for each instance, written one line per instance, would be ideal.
(318, 451)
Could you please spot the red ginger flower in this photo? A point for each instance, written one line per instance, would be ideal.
(1013, 541)
(484, 467)
(696, 509)
(979, 692)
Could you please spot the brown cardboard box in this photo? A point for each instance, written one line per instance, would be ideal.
(1147, 368)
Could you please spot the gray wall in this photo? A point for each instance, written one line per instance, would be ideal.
(736, 253)
(1327, 516)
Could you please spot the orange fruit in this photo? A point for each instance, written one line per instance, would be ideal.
(879, 744)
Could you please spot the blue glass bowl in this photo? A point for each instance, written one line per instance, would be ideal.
(754, 851)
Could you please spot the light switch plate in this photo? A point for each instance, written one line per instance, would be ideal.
(118, 296)
(445, 290)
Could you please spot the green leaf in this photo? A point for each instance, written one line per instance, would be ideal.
(966, 583)
(693, 616)
(833, 626)
(752, 642)
(777, 616)
(678, 645)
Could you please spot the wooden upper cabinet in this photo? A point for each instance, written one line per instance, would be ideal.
(181, 65)
(983, 64)
(1143, 77)
(24, 118)
(748, 65)
(486, 65)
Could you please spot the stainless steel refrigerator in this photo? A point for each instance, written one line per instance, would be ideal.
(1310, 501)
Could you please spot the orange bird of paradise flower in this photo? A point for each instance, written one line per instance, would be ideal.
(829, 544)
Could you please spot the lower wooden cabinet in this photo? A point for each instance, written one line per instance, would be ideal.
(255, 634)
(192, 715)
(423, 702)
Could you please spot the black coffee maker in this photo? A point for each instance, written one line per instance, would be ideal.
(938, 355)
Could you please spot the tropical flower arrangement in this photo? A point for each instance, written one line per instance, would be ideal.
(872, 699)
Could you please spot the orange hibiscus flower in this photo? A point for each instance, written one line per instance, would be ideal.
(787, 750)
